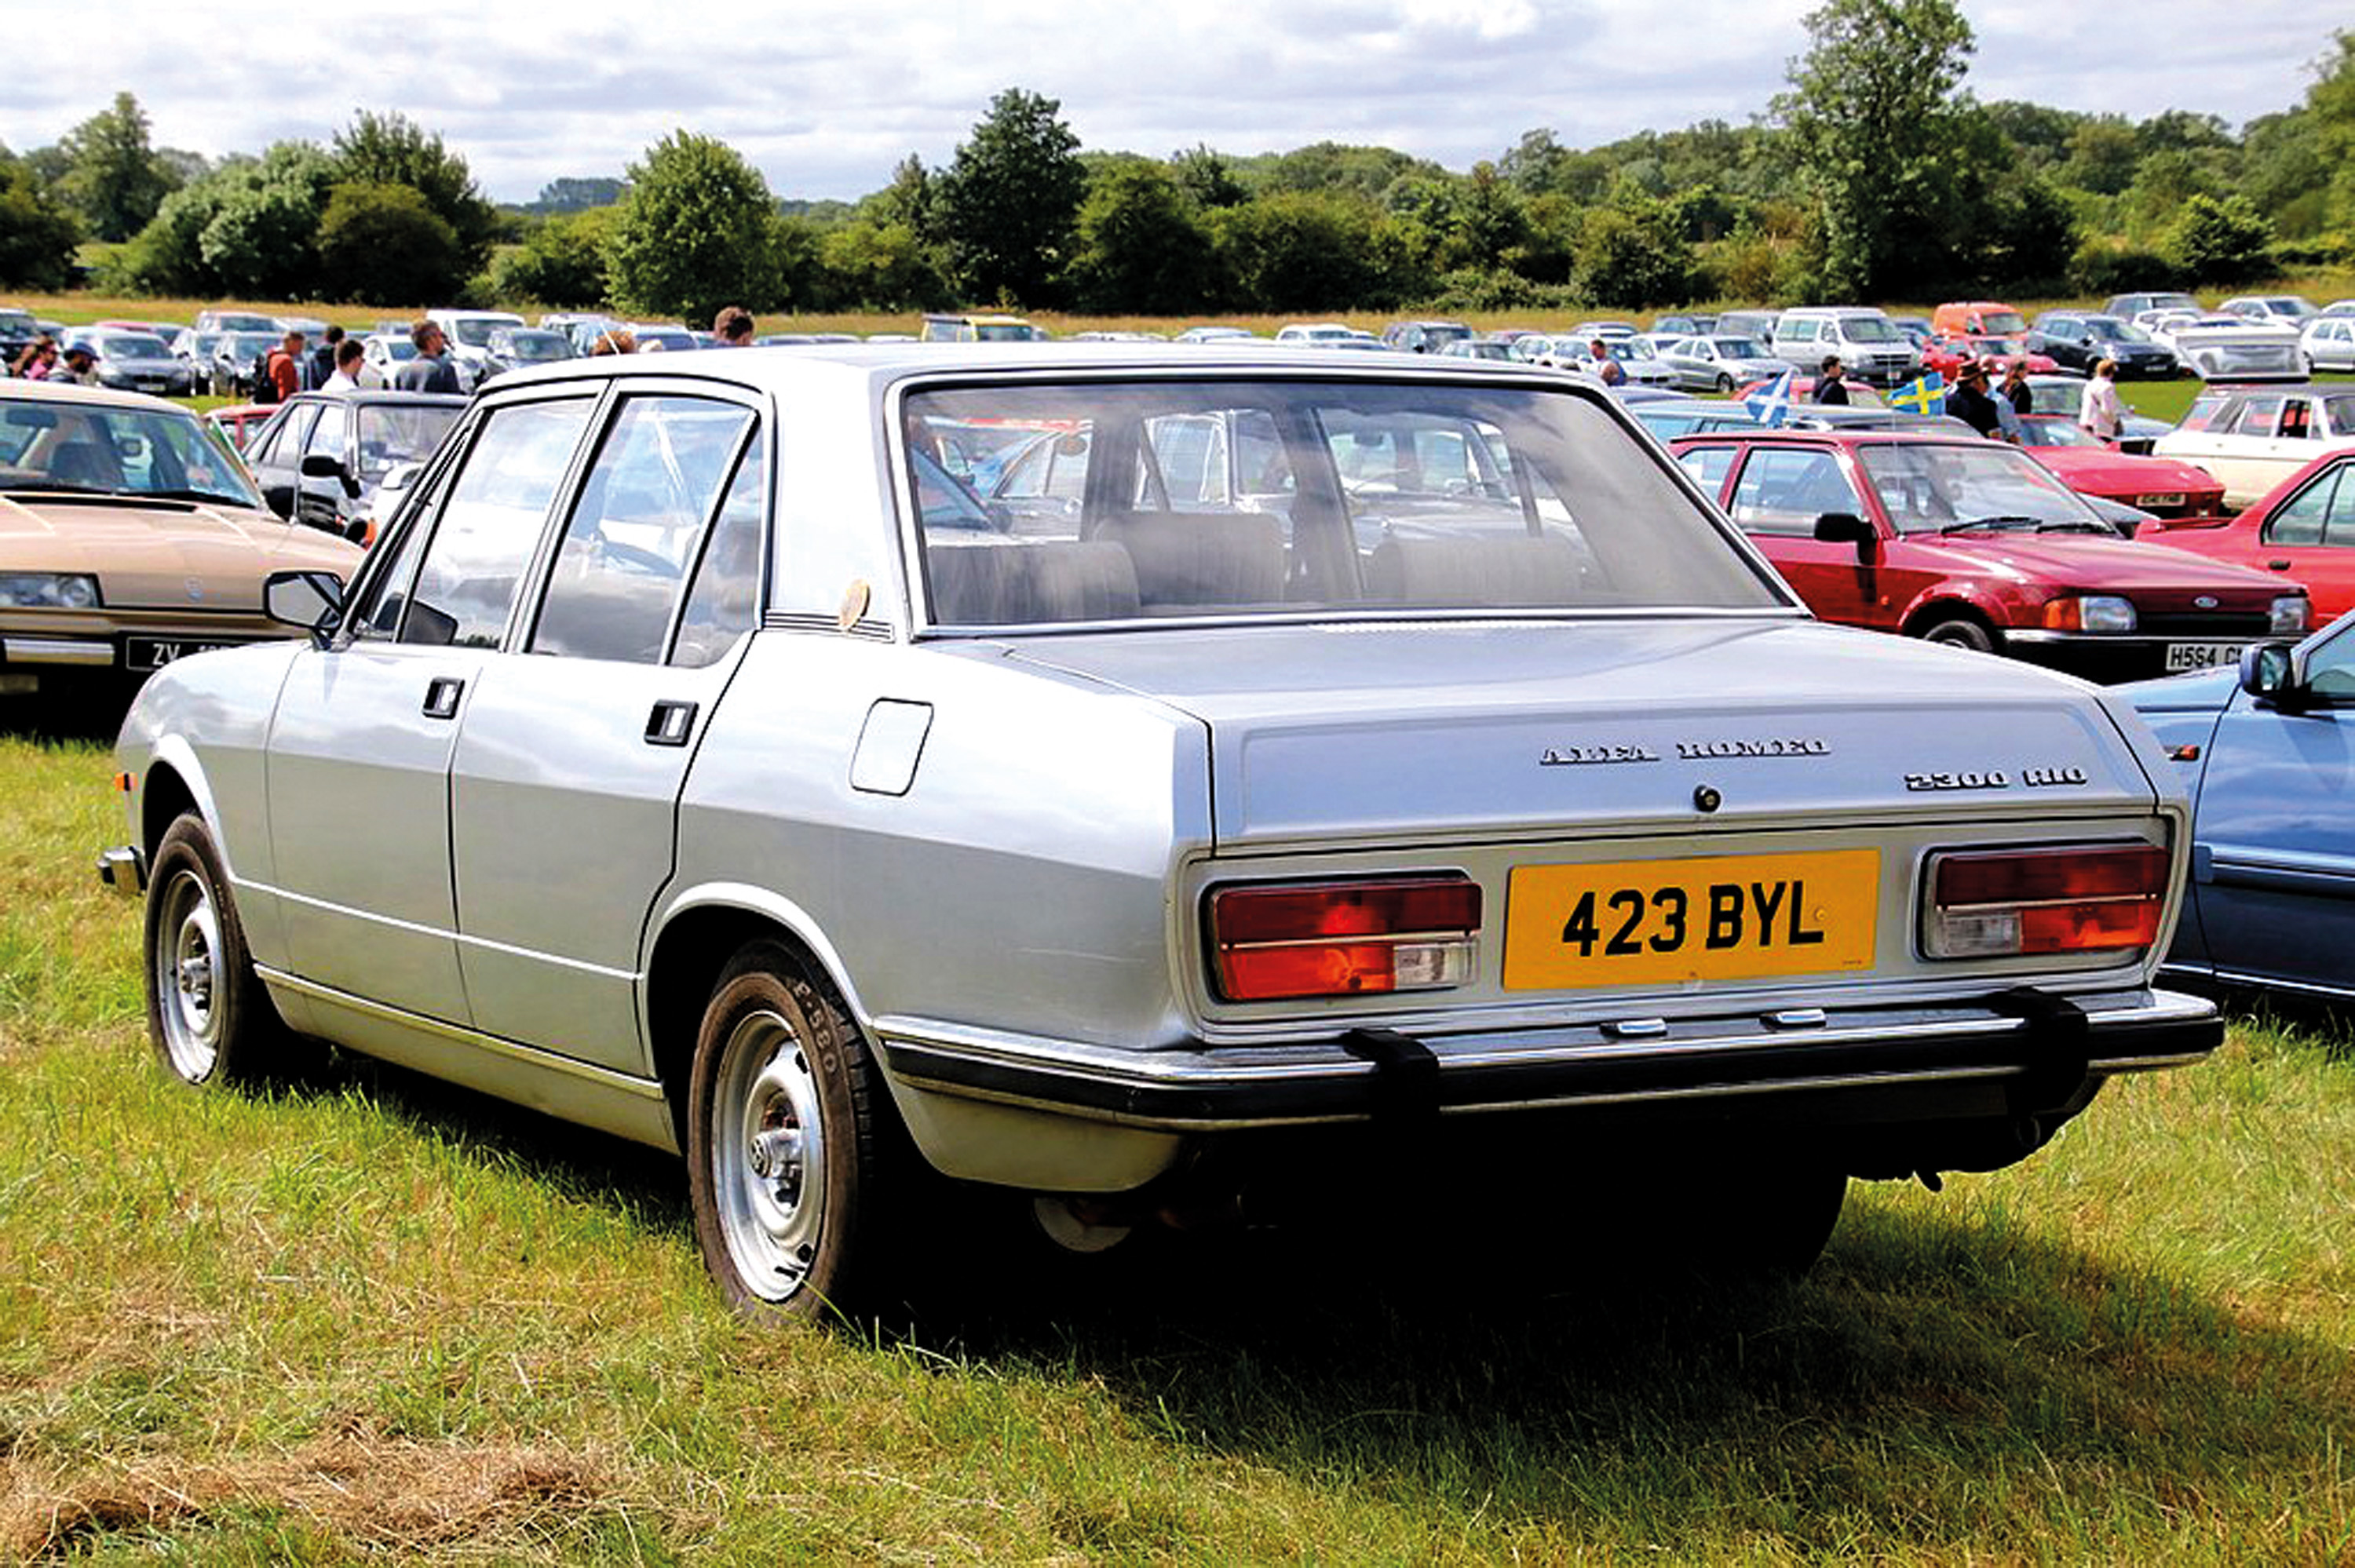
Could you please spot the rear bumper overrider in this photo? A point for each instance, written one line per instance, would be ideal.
(2028, 1047)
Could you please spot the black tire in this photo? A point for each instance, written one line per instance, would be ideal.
(208, 1015)
(779, 1064)
(1959, 631)
(1725, 385)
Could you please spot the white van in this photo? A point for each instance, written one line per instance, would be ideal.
(1869, 344)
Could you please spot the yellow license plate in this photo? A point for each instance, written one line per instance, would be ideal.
(1722, 917)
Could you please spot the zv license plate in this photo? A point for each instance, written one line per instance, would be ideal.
(1724, 917)
(2202, 655)
(154, 653)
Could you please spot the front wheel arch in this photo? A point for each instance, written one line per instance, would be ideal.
(1954, 625)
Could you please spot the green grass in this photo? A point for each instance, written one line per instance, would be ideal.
(370, 1317)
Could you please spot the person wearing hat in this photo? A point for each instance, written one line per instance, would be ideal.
(1969, 401)
(79, 367)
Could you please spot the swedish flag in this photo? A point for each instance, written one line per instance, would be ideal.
(1927, 395)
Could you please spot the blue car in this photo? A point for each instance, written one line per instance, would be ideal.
(2268, 753)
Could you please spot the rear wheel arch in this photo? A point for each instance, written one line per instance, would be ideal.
(691, 950)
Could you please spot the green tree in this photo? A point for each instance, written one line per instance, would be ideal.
(883, 266)
(1874, 111)
(1142, 247)
(2331, 102)
(115, 179)
(2219, 241)
(1208, 179)
(1011, 198)
(391, 149)
(697, 232)
(1312, 251)
(383, 243)
(1631, 254)
(37, 236)
(559, 263)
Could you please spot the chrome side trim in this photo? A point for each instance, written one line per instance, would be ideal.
(603, 1078)
(56, 651)
(374, 918)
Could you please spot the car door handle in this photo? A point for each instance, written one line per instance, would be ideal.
(670, 723)
(2277, 566)
(442, 694)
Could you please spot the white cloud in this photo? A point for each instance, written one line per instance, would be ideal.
(826, 95)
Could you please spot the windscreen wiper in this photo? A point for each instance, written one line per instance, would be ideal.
(2010, 520)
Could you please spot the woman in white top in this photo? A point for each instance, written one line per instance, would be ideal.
(2098, 410)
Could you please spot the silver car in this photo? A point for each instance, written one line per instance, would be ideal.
(1720, 363)
(1424, 800)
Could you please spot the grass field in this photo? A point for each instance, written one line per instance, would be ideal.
(373, 1318)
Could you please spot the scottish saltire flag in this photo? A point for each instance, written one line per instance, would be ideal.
(1771, 406)
(1927, 395)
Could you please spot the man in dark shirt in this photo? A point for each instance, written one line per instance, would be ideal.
(1829, 388)
(322, 363)
(1969, 401)
(429, 372)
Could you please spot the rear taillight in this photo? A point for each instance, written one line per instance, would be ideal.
(1270, 940)
(2073, 898)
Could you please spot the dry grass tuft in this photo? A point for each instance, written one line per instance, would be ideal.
(395, 1495)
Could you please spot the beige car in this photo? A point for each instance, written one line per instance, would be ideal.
(130, 536)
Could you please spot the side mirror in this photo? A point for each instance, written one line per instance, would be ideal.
(313, 600)
(1848, 528)
(319, 465)
(2269, 671)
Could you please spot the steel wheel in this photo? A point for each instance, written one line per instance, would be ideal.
(786, 1161)
(208, 1016)
(188, 981)
(768, 1155)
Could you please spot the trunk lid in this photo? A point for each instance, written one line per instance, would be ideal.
(1367, 732)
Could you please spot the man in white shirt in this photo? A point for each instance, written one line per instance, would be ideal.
(2098, 408)
(346, 377)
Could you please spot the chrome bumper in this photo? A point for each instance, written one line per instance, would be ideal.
(56, 651)
(124, 869)
(2017, 1044)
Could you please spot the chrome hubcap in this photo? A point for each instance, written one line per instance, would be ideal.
(188, 978)
(768, 1156)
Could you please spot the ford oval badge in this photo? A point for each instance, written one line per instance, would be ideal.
(2205, 601)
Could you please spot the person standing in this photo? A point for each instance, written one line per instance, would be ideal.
(1969, 401)
(733, 327)
(80, 365)
(2098, 408)
(1831, 387)
(1606, 369)
(2016, 390)
(38, 360)
(283, 370)
(320, 368)
(429, 372)
(351, 354)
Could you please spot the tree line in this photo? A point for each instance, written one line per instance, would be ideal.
(1877, 174)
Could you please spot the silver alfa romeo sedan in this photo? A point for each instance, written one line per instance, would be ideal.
(1131, 782)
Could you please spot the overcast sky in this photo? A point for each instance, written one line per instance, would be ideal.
(824, 96)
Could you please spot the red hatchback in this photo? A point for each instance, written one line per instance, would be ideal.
(1972, 543)
(2302, 529)
(2164, 487)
